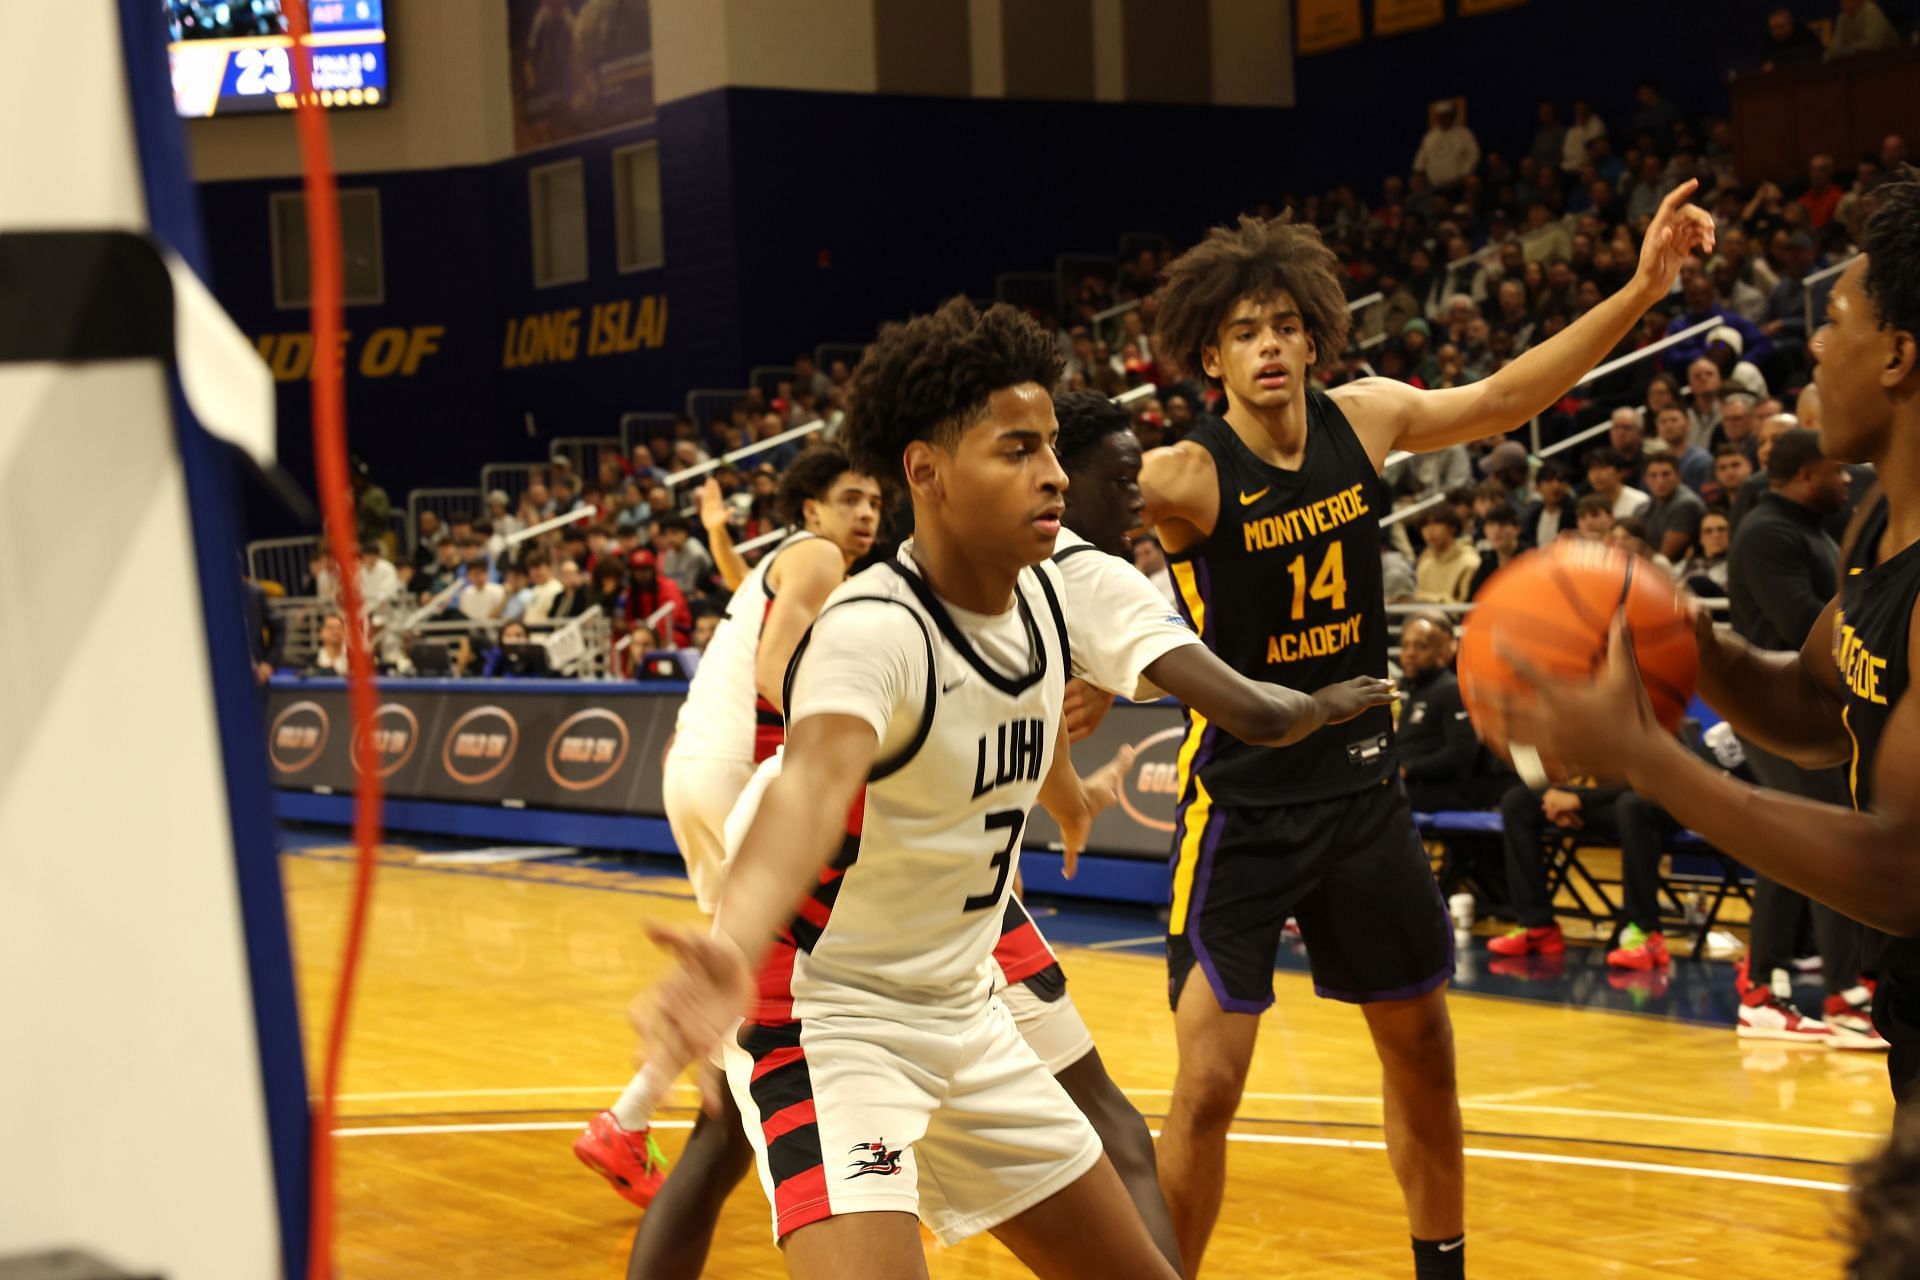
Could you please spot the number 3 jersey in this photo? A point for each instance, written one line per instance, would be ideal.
(1287, 588)
(966, 707)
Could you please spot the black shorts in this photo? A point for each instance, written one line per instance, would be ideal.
(1896, 1016)
(1351, 870)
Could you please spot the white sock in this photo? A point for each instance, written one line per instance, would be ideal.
(634, 1109)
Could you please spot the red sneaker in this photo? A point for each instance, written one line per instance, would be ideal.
(1765, 1016)
(1639, 949)
(630, 1161)
(1547, 940)
(1849, 1019)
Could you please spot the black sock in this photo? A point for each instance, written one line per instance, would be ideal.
(1440, 1259)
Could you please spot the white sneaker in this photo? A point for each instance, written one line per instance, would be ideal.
(1774, 1019)
(1854, 1031)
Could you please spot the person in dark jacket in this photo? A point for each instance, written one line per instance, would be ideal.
(1436, 742)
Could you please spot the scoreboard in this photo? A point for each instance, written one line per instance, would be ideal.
(236, 56)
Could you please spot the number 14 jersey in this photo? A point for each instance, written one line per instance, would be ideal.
(967, 708)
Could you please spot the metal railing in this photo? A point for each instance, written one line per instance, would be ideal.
(514, 477)
(445, 503)
(699, 469)
(768, 377)
(638, 428)
(707, 403)
(282, 560)
(827, 352)
(583, 454)
(580, 646)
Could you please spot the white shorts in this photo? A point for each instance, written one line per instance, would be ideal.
(1054, 1028)
(852, 1114)
(700, 791)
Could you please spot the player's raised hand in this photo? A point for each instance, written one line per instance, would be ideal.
(713, 506)
(1097, 790)
(1676, 231)
(685, 1016)
(1342, 702)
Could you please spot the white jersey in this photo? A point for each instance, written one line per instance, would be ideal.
(724, 716)
(967, 708)
(1117, 619)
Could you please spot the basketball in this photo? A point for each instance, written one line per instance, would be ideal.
(1554, 608)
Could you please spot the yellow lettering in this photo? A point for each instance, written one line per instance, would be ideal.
(381, 356)
(422, 341)
(291, 357)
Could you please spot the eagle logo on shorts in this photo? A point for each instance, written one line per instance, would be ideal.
(873, 1157)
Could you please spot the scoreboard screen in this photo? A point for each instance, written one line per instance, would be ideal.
(235, 56)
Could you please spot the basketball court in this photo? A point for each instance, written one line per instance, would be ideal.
(1611, 1130)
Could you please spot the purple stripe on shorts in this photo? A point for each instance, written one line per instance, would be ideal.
(1195, 910)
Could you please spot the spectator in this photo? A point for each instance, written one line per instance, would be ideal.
(1697, 305)
(447, 569)
(1759, 452)
(1724, 347)
(379, 581)
(331, 657)
(1782, 571)
(636, 513)
(1594, 518)
(1549, 140)
(648, 593)
(705, 622)
(1514, 317)
(1152, 561)
(1703, 393)
(1606, 815)
(1656, 116)
(1577, 148)
(1731, 293)
(498, 663)
(1507, 463)
(1862, 27)
(1705, 571)
(685, 560)
(574, 596)
(1445, 569)
(566, 495)
(372, 509)
(1627, 437)
(1786, 322)
(1551, 513)
(608, 587)
(1448, 152)
(500, 514)
(1822, 195)
(427, 537)
(1674, 513)
(535, 505)
(1790, 42)
(1731, 470)
(1737, 423)
(1435, 741)
(1606, 478)
(1648, 190)
(1501, 525)
(1675, 432)
(480, 599)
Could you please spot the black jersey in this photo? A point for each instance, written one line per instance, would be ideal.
(1870, 649)
(1287, 589)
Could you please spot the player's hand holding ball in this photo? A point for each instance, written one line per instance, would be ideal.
(1574, 660)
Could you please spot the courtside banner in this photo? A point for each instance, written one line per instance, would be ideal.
(599, 747)
(545, 744)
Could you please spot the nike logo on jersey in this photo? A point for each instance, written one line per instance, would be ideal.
(1248, 499)
(1018, 748)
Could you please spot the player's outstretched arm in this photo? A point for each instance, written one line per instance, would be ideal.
(808, 572)
(1860, 864)
(797, 830)
(1391, 415)
(713, 517)
(1254, 711)
(1073, 801)
(1788, 703)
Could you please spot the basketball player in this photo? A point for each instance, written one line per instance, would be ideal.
(1270, 519)
(878, 1079)
(729, 722)
(1844, 697)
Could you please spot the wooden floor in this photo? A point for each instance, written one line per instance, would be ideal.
(490, 1025)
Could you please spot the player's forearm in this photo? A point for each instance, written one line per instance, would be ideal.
(1770, 700)
(1254, 711)
(1857, 863)
(1063, 793)
(726, 558)
(798, 829)
(1534, 382)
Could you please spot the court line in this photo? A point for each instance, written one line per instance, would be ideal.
(1115, 944)
(497, 1093)
(1585, 1113)
(1265, 1139)
(521, 1126)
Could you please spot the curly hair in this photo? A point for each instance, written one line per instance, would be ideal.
(1086, 418)
(809, 477)
(929, 379)
(1257, 259)
(1893, 253)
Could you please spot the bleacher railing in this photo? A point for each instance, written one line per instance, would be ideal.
(638, 428)
(282, 560)
(583, 454)
(766, 378)
(445, 503)
(706, 404)
(514, 477)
